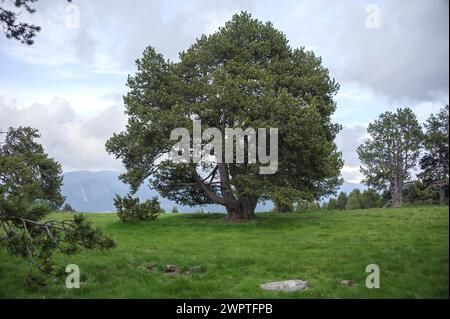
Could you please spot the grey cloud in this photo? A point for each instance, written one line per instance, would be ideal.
(112, 96)
(174, 32)
(348, 139)
(84, 46)
(109, 121)
(407, 57)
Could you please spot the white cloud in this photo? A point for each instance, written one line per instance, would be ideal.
(76, 143)
(351, 174)
(86, 100)
(36, 55)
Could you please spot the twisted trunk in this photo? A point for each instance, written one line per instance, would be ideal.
(242, 210)
(238, 209)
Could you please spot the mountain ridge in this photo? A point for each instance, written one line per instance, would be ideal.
(93, 191)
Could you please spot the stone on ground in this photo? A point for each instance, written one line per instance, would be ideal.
(286, 285)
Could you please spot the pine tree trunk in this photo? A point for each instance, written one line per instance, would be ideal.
(396, 202)
(396, 193)
(243, 211)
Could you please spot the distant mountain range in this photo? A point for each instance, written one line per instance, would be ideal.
(88, 191)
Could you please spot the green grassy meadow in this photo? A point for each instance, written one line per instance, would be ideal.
(230, 260)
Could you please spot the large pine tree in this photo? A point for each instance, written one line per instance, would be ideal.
(244, 75)
(390, 153)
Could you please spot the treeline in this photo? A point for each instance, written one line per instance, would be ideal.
(356, 199)
(415, 192)
(402, 162)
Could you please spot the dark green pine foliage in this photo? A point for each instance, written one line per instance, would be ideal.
(131, 210)
(244, 75)
(14, 29)
(434, 163)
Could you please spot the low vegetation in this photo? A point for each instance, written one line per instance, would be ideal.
(196, 256)
(131, 210)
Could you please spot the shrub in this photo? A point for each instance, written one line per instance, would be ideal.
(130, 210)
(175, 210)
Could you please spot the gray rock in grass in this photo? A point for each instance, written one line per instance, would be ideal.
(286, 285)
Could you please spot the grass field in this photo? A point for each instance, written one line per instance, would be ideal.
(410, 246)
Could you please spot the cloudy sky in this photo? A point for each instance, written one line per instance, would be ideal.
(385, 54)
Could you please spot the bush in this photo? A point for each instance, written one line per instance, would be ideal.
(174, 210)
(130, 210)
